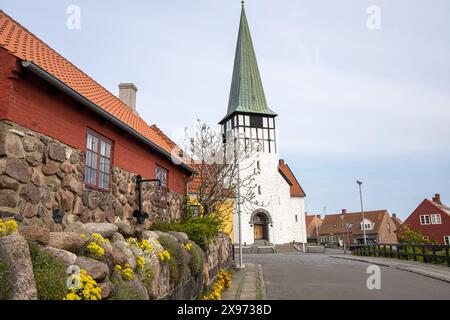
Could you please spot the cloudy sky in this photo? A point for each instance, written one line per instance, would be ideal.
(353, 102)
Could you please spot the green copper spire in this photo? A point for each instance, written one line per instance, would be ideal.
(247, 93)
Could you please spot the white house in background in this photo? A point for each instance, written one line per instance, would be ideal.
(281, 217)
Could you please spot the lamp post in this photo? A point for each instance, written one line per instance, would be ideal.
(241, 258)
(362, 211)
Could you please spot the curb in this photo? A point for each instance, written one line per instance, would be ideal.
(262, 286)
(396, 267)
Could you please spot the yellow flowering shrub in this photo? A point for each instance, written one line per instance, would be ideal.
(223, 282)
(95, 247)
(95, 251)
(98, 238)
(187, 246)
(140, 262)
(146, 246)
(126, 272)
(87, 290)
(164, 255)
(7, 227)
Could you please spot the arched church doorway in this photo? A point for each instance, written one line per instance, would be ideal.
(260, 220)
(260, 227)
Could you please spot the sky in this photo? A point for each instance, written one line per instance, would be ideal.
(360, 94)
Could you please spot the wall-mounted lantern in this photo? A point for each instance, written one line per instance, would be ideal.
(138, 214)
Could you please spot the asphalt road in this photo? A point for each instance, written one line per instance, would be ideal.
(299, 276)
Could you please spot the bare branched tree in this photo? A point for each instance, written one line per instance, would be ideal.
(222, 168)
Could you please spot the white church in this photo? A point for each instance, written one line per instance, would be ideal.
(280, 217)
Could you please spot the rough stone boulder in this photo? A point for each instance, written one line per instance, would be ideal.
(107, 288)
(150, 235)
(160, 233)
(118, 256)
(125, 229)
(181, 236)
(96, 269)
(69, 241)
(107, 230)
(16, 270)
(11, 145)
(35, 233)
(66, 257)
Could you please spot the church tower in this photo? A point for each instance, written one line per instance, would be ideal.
(277, 216)
(248, 113)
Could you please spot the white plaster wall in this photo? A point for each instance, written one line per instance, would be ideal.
(277, 201)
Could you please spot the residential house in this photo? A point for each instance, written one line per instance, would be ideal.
(313, 223)
(71, 151)
(348, 228)
(225, 207)
(432, 219)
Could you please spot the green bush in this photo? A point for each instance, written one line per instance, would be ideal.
(197, 261)
(126, 291)
(200, 229)
(148, 275)
(49, 273)
(177, 258)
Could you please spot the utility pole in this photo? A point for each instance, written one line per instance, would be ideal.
(362, 211)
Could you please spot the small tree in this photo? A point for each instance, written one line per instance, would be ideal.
(220, 169)
(408, 236)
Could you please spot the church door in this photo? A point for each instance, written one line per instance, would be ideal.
(259, 232)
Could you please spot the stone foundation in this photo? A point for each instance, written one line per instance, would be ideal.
(41, 184)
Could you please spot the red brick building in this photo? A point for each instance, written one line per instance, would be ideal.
(69, 149)
(347, 228)
(313, 223)
(432, 219)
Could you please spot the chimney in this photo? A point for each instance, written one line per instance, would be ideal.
(344, 211)
(394, 215)
(437, 198)
(127, 93)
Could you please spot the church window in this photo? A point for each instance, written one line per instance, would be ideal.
(256, 121)
(97, 172)
(296, 218)
(241, 120)
(247, 121)
(258, 166)
(259, 190)
(265, 123)
(271, 124)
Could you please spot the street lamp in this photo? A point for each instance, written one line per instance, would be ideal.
(362, 212)
(236, 140)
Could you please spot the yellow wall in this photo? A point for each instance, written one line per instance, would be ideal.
(225, 210)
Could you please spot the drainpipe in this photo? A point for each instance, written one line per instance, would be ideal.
(138, 214)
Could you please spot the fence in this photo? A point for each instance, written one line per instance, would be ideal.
(428, 253)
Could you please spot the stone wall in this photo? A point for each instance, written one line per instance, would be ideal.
(69, 247)
(41, 184)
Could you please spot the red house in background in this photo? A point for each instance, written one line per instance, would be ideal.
(432, 219)
(70, 150)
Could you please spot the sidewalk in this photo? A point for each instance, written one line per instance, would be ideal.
(247, 284)
(439, 272)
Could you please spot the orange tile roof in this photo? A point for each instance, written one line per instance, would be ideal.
(335, 223)
(296, 189)
(24, 45)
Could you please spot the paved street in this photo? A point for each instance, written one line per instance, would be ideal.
(318, 276)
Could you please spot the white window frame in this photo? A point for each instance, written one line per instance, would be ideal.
(447, 240)
(333, 239)
(437, 219)
(425, 219)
